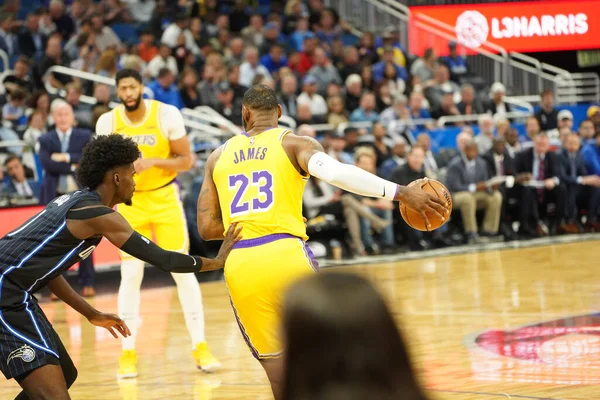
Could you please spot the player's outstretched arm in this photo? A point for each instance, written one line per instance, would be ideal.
(61, 288)
(209, 217)
(118, 231)
(310, 158)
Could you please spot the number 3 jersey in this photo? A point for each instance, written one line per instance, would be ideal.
(43, 248)
(259, 187)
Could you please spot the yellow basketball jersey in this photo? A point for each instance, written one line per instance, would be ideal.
(259, 187)
(152, 142)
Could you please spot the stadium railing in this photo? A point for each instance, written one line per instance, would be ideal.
(445, 120)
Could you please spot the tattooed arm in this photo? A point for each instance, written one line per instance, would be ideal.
(308, 157)
(209, 219)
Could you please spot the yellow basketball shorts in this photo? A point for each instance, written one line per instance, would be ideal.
(159, 216)
(257, 273)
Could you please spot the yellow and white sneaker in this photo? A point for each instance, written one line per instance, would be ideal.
(127, 365)
(204, 359)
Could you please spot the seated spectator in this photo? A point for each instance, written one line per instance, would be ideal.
(20, 77)
(105, 37)
(116, 12)
(309, 95)
(366, 159)
(340, 311)
(305, 57)
(300, 30)
(353, 92)
(250, 67)
(304, 115)
(532, 129)
(383, 98)
(107, 64)
(351, 64)
(593, 114)
(253, 33)
(336, 113)
(337, 146)
(274, 60)
(207, 87)
(583, 189)
(271, 38)
(500, 163)
(397, 111)
(102, 96)
(397, 159)
(591, 155)
(146, 48)
(175, 29)
(83, 112)
(417, 111)
(180, 53)
(466, 180)
(366, 112)
(586, 130)
(431, 166)
(53, 55)
(31, 40)
(165, 90)
(565, 119)
(442, 85)
(63, 22)
(469, 105)
(40, 101)
(382, 151)
(13, 112)
(446, 107)
(543, 166)
(18, 184)
(367, 78)
(324, 71)
(36, 127)
(328, 30)
(164, 59)
(391, 38)
(502, 127)
(423, 68)
(456, 64)
(306, 130)
(87, 54)
(366, 49)
(486, 133)
(233, 77)
(187, 89)
(496, 105)
(547, 115)
(387, 59)
(229, 107)
(287, 95)
(351, 136)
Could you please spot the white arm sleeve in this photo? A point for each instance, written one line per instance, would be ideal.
(172, 123)
(350, 178)
(104, 126)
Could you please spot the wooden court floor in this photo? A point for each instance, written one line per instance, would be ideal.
(510, 324)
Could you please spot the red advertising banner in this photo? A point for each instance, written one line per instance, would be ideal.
(521, 27)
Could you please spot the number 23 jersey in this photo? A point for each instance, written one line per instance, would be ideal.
(259, 187)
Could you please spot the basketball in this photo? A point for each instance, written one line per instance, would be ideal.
(414, 218)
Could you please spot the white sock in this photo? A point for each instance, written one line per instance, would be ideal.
(132, 273)
(190, 298)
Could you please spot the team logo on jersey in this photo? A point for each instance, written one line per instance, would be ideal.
(252, 141)
(148, 140)
(25, 353)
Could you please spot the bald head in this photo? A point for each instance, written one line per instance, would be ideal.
(306, 130)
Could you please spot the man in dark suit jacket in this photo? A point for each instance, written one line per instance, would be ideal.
(18, 183)
(32, 41)
(583, 190)
(466, 179)
(60, 152)
(469, 104)
(544, 166)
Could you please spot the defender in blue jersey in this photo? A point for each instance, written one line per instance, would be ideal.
(65, 232)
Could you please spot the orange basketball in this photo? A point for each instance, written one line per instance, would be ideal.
(414, 218)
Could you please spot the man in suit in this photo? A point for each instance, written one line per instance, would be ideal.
(582, 189)
(32, 42)
(60, 152)
(547, 167)
(18, 183)
(8, 40)
(466, 179)
(469, 104)
(496, 105)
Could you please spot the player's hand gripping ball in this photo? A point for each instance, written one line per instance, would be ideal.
(414, 218)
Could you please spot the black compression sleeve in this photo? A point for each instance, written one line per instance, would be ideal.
(146, 250)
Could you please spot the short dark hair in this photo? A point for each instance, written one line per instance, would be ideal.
(260, 97)
(547, 92)
(11, 157)
(103, 154)
(164, 72)
(128, 73)
(24, 60)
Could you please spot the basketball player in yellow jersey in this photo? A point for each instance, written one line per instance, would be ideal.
(156, 208)
(257, 180)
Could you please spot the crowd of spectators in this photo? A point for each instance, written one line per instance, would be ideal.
(208, 53)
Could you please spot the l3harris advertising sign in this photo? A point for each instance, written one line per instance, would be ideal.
(521, 27)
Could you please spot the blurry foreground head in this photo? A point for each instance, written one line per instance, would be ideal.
(342, 343)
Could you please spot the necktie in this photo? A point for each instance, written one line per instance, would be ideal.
(62, 180)
(541, 177)
(573, 167)
(501, 168)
